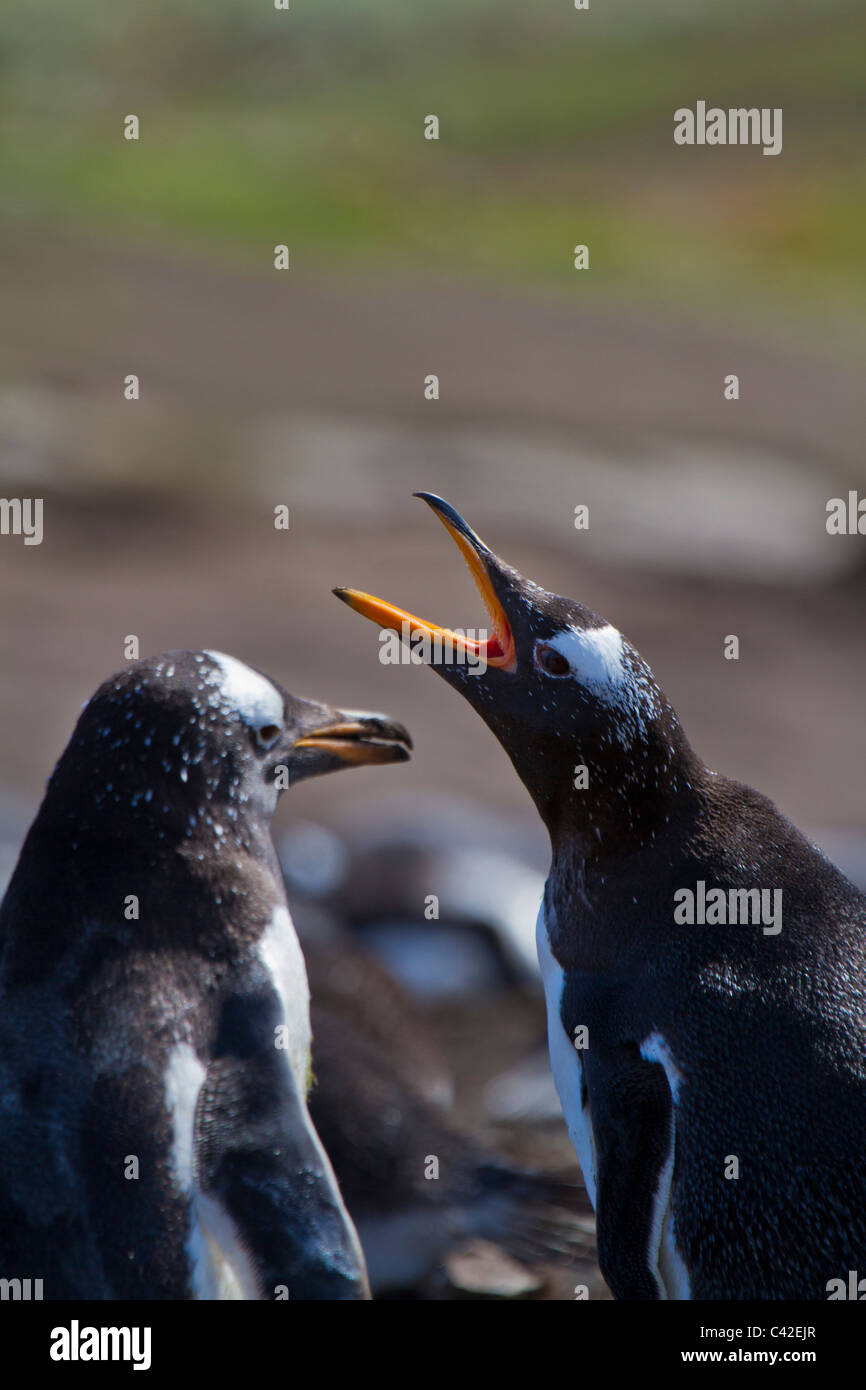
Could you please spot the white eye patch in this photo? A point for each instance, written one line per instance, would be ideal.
(251, 696)
(595, 655)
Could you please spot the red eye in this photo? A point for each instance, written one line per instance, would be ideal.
(552, 662)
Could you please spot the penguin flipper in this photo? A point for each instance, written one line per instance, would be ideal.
(259, 1161)
(633, 1131)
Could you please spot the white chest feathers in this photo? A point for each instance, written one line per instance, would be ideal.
(220, 1266)
(663, 1257)
(283, 959)
(565, 1060)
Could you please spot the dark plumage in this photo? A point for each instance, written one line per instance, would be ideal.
(712, 1049)
(154, 1026)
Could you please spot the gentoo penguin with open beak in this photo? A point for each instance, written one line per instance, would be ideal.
(704, 965)
(154, 1012)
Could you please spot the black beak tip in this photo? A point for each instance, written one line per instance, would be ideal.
(440, 506)
(446, 512)
(398, 736)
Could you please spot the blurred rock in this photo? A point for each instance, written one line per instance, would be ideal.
(386, 874)
(524, 1095)
(479, 1269)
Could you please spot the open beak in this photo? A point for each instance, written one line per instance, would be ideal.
(360, 738)
(498, 649)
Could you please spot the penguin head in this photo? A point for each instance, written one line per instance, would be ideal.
(560, 687)
(174, 733)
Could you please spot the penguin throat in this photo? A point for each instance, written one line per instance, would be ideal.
(611, 796)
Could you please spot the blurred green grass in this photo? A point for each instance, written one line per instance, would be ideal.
(563, 137)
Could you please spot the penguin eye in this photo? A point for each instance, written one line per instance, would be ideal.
(551, 662)
(267, 735)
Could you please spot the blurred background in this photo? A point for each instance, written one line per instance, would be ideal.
(557, 388)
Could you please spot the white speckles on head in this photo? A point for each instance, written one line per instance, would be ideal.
(252, 697)
(604, 665)
(184, 1077)
(595, 655)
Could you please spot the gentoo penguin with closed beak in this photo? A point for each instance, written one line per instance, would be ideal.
(704, 965)
(154, 1012)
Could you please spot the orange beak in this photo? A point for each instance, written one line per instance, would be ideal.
(371, 739)
(497, 649)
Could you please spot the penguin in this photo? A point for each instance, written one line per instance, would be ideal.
(155, 1141)
(711, 1065)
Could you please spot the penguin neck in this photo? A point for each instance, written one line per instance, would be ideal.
(153, 831)
(152, 814)
(178, 846)
(607, 800)
(125, 889)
